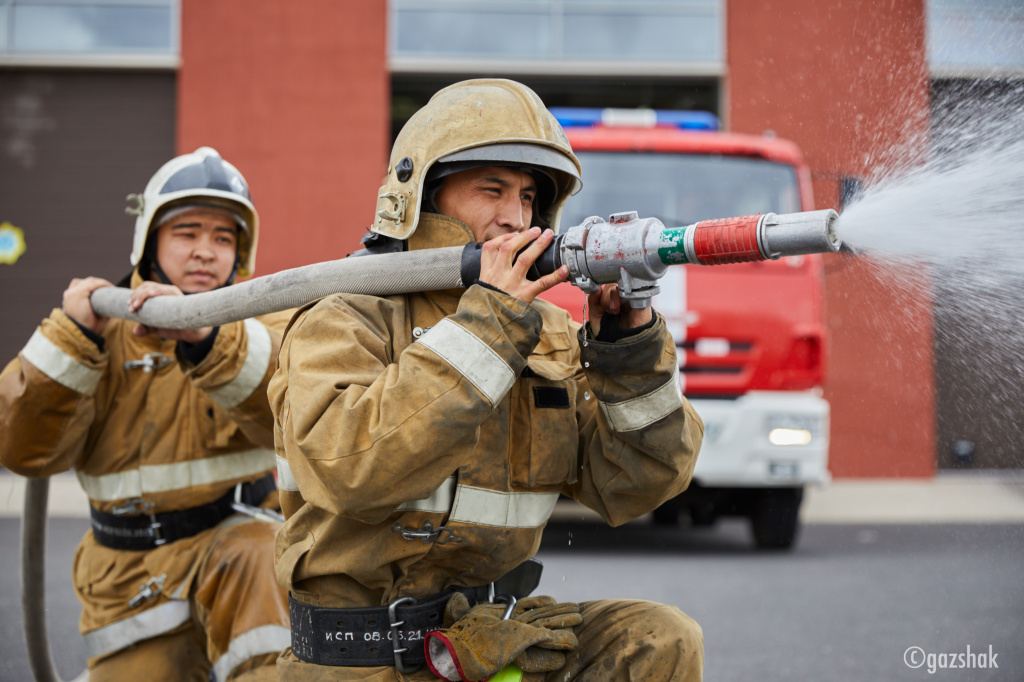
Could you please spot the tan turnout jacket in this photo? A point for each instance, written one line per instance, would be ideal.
(471, 410)
(174, 436)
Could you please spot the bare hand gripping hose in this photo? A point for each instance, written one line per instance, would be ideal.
(630, 251)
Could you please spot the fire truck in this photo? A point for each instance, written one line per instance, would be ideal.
(751, 336)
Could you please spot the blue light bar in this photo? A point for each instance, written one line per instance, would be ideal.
(689, 120)
(578, 117)
(575, 117)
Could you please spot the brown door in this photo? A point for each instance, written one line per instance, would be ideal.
(74, 144)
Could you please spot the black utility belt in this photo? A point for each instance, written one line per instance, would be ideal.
(147, 531)
(384, 635)
(393, 634)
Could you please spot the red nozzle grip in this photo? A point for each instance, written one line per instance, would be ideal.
(727, 240)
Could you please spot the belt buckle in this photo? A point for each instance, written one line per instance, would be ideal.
(135, 505)
(395, 624)
(255, 512)
(154, 528)
(506, 598)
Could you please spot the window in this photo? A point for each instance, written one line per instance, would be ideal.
(975, 38)
(123, 30)
(681, 189)
(640, 37)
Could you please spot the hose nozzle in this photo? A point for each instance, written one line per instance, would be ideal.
(797, 234)
(634, 252)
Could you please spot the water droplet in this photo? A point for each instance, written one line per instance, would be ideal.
(586, 364)
(586, 395)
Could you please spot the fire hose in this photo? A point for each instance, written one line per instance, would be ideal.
(627, 250)
(630, 251)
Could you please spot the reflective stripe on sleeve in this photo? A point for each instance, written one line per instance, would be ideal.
(266, 639)
(472, 358)
(483, 507)
(161, 478)
(502, 509)
(257, 359)
(285, 479)
(636, 413)
(59, 366)
(439, 502)
(124, 633)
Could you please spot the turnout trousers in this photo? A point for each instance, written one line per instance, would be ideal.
(234, 619)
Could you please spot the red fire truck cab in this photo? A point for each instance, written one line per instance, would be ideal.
(751, 337)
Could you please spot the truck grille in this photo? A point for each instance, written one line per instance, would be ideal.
(717, 366)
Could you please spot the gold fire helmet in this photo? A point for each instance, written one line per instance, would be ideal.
(484, 122)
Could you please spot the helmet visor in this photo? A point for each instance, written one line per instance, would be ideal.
(517, 154)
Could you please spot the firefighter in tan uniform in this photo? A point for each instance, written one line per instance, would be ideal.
(169, 438)
(424, 439)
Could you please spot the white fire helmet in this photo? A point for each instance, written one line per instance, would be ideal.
(201, 178)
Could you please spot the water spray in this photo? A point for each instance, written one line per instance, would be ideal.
(627, 250)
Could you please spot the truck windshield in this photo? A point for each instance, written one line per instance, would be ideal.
(681, 189)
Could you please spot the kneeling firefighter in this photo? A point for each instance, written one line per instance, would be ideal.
(423, 439)
(168, 432)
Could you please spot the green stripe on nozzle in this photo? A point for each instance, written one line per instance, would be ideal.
(673, 252)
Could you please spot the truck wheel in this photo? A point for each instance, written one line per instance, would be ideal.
(666, 515)
(775, 517)
(703, 515)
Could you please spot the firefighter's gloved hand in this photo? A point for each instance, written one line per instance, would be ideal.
(546, 612)
(477, 643)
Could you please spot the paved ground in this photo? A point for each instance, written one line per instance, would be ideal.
(847, 604)
(969, 497)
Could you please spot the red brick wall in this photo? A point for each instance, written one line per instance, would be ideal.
(296, 94)
(848, 83)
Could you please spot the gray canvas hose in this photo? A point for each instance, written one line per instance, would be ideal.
(33, 584)
(377, 275)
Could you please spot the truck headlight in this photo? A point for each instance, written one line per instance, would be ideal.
(793, 429)
(789, 437)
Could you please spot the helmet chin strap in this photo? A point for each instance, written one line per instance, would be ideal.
(158, 272)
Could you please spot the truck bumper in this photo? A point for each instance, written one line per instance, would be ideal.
(738, 448)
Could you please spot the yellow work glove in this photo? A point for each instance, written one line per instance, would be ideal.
(476, 643)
